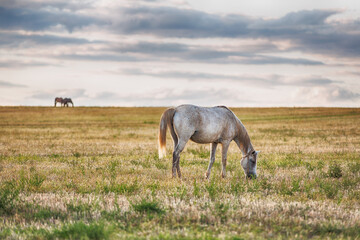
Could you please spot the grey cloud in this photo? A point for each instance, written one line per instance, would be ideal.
(316, 81)
(307, 18)
(100, 57)
(38, 20)
(335, 44)
(161, 21)
(22, 64)
(176, 22)
(51, 94)
(191, 94)
(11, 85)
(192, 50)
(178, 74)
(353, 73)
(151, 48)
(294, 22)
(265, 81)
(342, 94)
(54, 4)
(196, 76)
(106, 95)
(175, 52)
(208, 54)
(263, 60)
(43, 95)
(167, 97)
(308, 30)
(242, 57)
(20, 40)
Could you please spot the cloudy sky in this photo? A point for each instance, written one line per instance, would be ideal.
(170, 52)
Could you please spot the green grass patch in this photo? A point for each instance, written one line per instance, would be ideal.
(121, 188)
(81, 230)
(334, 170)
(42, 214)
(148, 207)
(201, 152)
(9, 197)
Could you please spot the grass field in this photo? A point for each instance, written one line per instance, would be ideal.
(94, 173)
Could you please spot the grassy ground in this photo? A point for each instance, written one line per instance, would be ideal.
(94, 173)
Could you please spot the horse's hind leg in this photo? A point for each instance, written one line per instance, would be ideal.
(176, 157)
(212, 159)
(174, 136)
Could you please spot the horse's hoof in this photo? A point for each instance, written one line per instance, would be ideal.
(207, 175)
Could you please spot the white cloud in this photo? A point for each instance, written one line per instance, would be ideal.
(326, 96)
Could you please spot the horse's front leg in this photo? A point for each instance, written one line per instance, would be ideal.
(212, 159)
(225, 147)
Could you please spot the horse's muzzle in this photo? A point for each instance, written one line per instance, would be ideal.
(251, 176)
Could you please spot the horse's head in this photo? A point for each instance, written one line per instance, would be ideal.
(248, 162)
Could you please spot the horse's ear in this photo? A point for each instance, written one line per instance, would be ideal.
(255, 152)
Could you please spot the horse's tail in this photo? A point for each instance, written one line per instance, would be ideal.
(166, 119)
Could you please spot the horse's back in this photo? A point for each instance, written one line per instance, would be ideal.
(204, 124)
(197, 114)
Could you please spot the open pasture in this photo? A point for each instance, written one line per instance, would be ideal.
(94, 173)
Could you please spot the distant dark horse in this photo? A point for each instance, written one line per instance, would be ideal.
(66, 102)
(59, 100)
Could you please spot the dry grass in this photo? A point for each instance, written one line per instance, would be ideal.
(94, 173)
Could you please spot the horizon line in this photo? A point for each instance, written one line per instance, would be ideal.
(139, 106)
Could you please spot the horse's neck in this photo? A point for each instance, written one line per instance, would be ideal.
(243, 139)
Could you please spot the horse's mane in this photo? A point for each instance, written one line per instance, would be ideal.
(243, 134)
(224, 107)
(245, 138)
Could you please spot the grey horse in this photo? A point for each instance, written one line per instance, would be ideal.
(206, 125)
